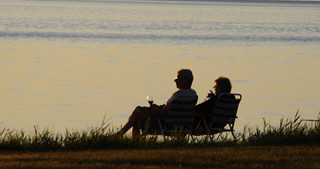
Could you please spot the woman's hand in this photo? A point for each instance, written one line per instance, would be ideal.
(210, 94)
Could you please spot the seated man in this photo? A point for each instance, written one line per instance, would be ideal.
(222, 85)
(140, 114)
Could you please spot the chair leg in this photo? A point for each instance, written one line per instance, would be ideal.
(231, 127)
(162, 131)
(207, 128)
(205, 123)
(190, 135)
(211, 137)
(234, 137)
(209, 133)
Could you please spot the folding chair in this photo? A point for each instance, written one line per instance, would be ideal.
(179, 120)
(224, 113)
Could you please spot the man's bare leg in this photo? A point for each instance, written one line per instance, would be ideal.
(134, 121)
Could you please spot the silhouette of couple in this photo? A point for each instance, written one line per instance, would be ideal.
(183, 81)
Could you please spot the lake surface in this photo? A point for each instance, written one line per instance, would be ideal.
(67, 63)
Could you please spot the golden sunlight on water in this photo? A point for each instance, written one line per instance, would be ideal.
(66, 64)
(52, 83)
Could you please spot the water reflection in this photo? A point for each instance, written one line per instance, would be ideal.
(51, 76)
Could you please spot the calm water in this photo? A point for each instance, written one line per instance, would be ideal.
(65, 64)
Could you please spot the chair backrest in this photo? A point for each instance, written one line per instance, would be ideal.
(182, 110)
(226, 107)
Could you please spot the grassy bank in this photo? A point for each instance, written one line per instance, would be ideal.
(217, 157)
(288, 132)
(291, 144)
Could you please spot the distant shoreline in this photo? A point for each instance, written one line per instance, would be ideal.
(245, 1)
(249, 1)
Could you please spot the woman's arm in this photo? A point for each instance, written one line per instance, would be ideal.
(206, 106)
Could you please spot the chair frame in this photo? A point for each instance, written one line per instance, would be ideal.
(177, 129)
(230, 122)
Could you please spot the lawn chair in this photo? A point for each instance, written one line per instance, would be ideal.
(179, 120)
(224, 113)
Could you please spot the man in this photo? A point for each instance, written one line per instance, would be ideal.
(183, 83)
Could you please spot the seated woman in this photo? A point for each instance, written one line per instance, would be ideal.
(221, 85)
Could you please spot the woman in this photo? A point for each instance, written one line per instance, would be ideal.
(221, 85)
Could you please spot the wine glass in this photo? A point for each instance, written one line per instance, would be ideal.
(150, 100)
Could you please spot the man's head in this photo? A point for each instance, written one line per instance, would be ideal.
(222, 85)
(184, 79)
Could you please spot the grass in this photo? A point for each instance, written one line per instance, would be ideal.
(292, 144)
(289, 132)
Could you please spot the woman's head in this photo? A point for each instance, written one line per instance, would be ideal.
(222, 85)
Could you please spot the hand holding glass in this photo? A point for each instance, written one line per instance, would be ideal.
(150, 100)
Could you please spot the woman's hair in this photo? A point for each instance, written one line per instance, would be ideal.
(224, 84)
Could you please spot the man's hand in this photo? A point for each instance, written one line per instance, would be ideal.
(155, 106)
